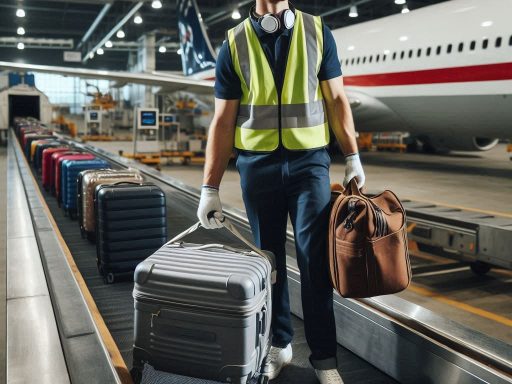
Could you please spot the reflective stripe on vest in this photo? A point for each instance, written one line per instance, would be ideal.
(303, 118)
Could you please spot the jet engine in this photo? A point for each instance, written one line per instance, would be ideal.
(445, 144)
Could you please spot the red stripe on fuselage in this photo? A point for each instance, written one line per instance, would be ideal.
(487, 72)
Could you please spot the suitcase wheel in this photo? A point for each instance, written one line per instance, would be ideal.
(108, 278)
(136, 373)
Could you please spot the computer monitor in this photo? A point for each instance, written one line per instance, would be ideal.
(93, 116)
(147, 118)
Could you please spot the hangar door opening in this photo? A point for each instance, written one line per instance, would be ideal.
(23, 106)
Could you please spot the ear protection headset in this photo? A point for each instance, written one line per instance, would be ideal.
(271, 23)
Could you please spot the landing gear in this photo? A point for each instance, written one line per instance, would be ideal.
(480, 268)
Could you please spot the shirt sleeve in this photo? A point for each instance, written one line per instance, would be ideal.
(330, 66)
(227, 82)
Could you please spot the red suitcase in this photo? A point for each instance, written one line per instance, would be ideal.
(58, 166)
(46, 164)
(53, 161)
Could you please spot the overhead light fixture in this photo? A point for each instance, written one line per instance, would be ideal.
(400, 2)
(21, 46)
(487, 23)
(236, 14)
(108, 44)
(157, 4)
(100, 51)
(353, 11)
(20, 12)
(91, 55)
(137, 19)
(405, 9)
(179, 51)
(20, 31)
(120, 34)
(162, 49)
(403, 38)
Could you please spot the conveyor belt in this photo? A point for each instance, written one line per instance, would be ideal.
(115, 301)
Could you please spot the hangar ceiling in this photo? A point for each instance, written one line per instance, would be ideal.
(64, 23)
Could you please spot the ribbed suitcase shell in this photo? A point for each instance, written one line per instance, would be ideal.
(58, 170)
(53, 166)
(89, 184)
(33, 147)
(69, 188)
(79, 191)
(38, 157)
(202, 312)
(28, 142)
(47, 169)
(131, 224)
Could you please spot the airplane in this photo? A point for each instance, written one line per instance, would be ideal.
(443, 72)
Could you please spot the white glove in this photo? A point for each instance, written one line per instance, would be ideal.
(208, 205)
(353, 168)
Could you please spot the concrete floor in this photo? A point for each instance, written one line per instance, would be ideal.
(472, 180)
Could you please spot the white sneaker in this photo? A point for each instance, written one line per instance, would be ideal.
(276, 359)
(328, 376)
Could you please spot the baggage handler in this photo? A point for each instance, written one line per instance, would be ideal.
(278, 89)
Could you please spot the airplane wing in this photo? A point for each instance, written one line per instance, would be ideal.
(170, 82)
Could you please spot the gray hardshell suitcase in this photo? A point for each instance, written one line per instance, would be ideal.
(203, 310)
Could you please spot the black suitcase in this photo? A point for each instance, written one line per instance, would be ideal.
(204, 310)
(131, 224)
(38, 157)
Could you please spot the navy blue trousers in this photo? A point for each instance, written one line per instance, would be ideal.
(294, 183)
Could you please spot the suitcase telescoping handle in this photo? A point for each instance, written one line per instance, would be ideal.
(231, 228)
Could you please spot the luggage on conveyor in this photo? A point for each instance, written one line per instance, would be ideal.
(70, 170)
(41, 146)
(53, 165)
(58, 169)
(203, 310)
(88, 185)
(30, 138)
(131, 224)
(46, 164)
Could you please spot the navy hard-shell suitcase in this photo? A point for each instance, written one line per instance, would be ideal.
(38, 158)
(131, 224)
(203, 311)
(68, 184)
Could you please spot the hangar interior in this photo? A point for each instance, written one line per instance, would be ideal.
(127, 86)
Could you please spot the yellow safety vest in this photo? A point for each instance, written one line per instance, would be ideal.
(297, 117)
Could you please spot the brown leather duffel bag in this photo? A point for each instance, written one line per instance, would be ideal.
(368, 253)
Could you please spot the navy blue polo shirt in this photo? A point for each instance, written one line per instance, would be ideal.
(275, 45)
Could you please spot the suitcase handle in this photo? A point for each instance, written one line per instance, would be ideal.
(231, 228)
(127, 182)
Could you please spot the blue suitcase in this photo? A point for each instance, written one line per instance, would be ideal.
(68, 184)
(39, 152)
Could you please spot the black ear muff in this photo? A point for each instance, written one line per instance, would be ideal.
(271, 23)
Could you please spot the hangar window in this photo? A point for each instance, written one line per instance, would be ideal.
(377, 59)
(497, 44)
(410, 53)
(485, 43)
(394, 55)
(402, 54)
(449, 48)
(472, 45)
(419, 52)
(461, 47)
(428, 51)
(438, 50)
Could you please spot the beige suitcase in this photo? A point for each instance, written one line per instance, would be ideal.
(89, 184)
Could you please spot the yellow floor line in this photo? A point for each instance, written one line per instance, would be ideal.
(465, 307)
(487, 212)
(110, 344)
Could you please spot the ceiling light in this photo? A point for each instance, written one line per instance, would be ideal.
(236, 14)
(162, 49)
(108, 44)
(403, 38)
(91, 55)
(20, 31)
(399, 2)
(405, 9)
(137, 19)
(486, 23)
(100, 51)
(20, 12)
(351, 48)
(120, 34)
(21, 46)
(179, 51)
(353, 11)
(157, 4)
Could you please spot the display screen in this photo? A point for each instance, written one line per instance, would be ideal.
(93, 116)
(168, 119)
(148, 118)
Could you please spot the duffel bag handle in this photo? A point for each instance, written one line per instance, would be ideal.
(231, 228)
